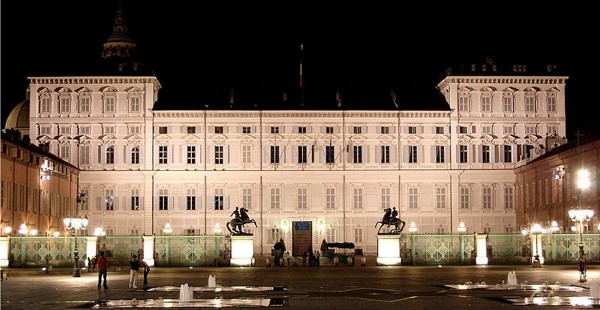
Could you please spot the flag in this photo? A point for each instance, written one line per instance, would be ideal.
(301, 49)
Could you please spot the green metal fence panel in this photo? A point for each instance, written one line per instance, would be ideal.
(191, 251)
(119, 249)
(45, 251)
(506, 249)
(421, 249)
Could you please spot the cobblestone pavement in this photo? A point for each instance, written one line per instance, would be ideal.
(331, 287)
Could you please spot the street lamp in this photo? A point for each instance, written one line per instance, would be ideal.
(580, 216)
(167, 230)
(462, 228)
(6, 229)
(74, 224)
(217, 230)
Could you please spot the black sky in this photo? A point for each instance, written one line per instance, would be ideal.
(201, 49)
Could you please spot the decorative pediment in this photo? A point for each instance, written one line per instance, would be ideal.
(464, 139)
(105, 138)
(488, 139)
(303, 140)
(247, 139)
(62, 90)
(43, 139)
(532, 139)
(83, 90)
(357, 140)
(162, 140)
(441, 140)
(385, 139)
(63, 138)
(108, 89)
(190, 139)
(413, 140)
(330, 138)
(509, 139)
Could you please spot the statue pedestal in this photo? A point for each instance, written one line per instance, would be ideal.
(242, 250)
(388, 250)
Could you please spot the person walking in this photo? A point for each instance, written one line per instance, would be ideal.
(144, 265)
(133, 272)
(102, 265)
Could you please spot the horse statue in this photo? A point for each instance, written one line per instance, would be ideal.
(390, 218)
(241, 218)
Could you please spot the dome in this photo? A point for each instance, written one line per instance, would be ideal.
(19, 118)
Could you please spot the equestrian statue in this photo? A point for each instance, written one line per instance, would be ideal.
(240, 219)
(390, 218)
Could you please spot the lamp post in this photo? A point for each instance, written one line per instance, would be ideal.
(580, 216)
(535, 230)
(412, 229)
(462, 228)
(6, 229)
(74, 224)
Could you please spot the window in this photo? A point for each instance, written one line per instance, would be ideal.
(275, 197)
(301, 129)
(508, 130)
(84, 104)
(274, 154)
(162, 154)
(109, 200)
(507, 153)
(462, 129)
(110, 155)
(65, 130)
(162, 130)
(218, 154)
(440, 197)
(385, 130)
(191, 154)
(552, 130)
(412, 154)
(218, 199)
(507, 103)
(485, 153)
(439, 130)
(386, 196)
(529, 130)
(65, 103)
(302, 152)
(385, 154)
(486, 129)
(45, 103)
(190, 199)
(463, 103)
(246, 154)
(464, 198)
(357, 198)
(302, 198)
(109, 130)
(440, 230)
(412, 129)
(46, 130)
(109, 104)
(191, 129)
(135, 199)
(331, 232)
(135, 130)
(357, 154)
(439, 154)
(247, 198)
(329, 154)
(218, 129)
(358, 234)
(245, 129)
(275, 234)
(486, 104)
(330, 198)
(135, 155)
(84, 152)
(487, 230)
(487, 197)
(529, 103)
(134, 104)
(357, 130)
(84, 203)
(328, 129)
(413, 198)
(64, 151)
(274, 129)
(551, 102)
(163, 199)
(508, 197)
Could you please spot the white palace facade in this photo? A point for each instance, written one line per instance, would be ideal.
(145, 169)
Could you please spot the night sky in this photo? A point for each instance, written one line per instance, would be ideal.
(201, 49)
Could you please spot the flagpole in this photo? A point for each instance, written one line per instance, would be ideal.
(301, 82)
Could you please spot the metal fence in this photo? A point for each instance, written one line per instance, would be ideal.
(416, 249)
